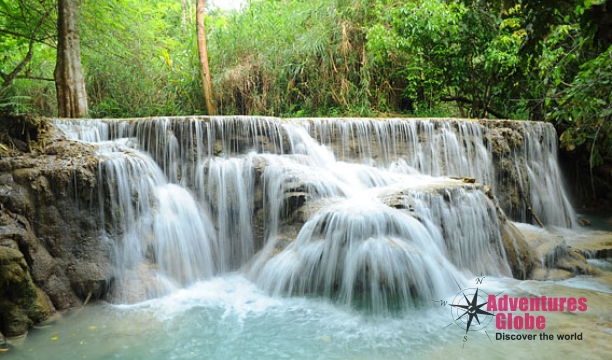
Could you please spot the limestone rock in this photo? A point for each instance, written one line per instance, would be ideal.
(518, 252)
(50, 212)
(21, 302)
(593, 244)
(551, 255)
(16, 233)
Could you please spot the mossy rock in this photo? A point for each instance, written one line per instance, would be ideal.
(21, 303)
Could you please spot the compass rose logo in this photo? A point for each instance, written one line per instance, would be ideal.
(467, 306)
(468, 309)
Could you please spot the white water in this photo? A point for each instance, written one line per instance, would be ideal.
(437, 147)
(162, 240)
(209, 266)
(451, 147)
(183, 194)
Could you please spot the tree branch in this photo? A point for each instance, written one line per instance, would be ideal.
(41, 40)
(29, 77)
(4, 31)
(11, 76)
(464, 100)
(8, 78)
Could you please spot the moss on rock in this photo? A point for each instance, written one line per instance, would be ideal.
(21, 302)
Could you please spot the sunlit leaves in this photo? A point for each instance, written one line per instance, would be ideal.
(586, 104)
(140, 59)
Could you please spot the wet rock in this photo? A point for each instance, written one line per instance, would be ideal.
(21, 303)
(398, 200)
(16, 233)
(52, 215)
(518, 253)
(576, 263)
(593, 244)
(468, 180)
(545, 274)
(89, 279)
(503, 139)
(552, 257)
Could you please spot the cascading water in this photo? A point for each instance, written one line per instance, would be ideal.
(162, 240)
(524, 154)
(346, 209)
(227, 186)
(360, 251)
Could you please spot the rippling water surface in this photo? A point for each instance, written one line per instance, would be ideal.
(229, 318)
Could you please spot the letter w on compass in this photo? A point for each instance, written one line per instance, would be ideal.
(472, 309)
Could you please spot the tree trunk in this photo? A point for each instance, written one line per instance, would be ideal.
(206, 83)
(183, 16)
(69, 81)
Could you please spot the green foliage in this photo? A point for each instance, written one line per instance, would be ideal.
(139, 59)
(28, 96)
(290, 58)
(585, 110)
(11, 104)
(440, 51)
(27, 48)
(537, 59)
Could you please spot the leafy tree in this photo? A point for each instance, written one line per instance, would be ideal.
(23, 23)
(26, 38)
(140, 59)
(446, 51)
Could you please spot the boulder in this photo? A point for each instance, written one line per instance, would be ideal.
(22, 303)
(552, 256)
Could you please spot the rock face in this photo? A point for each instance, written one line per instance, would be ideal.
(554, 257)
(53, 197)
(530, 252)
(21, 302)
(51, 251)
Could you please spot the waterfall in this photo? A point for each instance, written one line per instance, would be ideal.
(451, 147)
(361, 252)
(227, 185)
(360, 211)
(162, 238)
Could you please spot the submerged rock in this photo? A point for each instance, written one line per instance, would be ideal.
(552, 256)
(593, 244)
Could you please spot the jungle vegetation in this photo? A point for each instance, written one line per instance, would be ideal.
(517, 59)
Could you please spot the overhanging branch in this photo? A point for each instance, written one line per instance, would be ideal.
(465, 100)
(41, 78)
(8, 78)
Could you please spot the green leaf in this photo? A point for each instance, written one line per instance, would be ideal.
(5, 6)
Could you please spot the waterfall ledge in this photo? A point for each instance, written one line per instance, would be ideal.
(56, 202)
